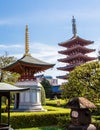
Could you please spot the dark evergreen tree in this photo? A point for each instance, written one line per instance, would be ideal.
(47, 86)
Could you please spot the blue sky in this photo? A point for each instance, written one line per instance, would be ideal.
(49, 23)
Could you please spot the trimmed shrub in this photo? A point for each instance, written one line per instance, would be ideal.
(33, 119)
(4, 109)
(56, 102)
(43, 96)
(96, 121)
(63, 122)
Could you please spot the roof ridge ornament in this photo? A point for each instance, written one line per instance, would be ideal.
(26, 42)
(74, 30)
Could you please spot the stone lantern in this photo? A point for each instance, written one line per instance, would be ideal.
(80, 114)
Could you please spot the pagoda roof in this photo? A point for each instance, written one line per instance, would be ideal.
(70, 66)
(77, 56)
(75, 40)
(28, 64)
(62, 77)
(27, 61)
(78, 48)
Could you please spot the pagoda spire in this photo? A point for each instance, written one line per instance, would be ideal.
(26, 42)
(74, 30)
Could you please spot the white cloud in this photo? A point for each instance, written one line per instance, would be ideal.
(10, 46)
(38, 50)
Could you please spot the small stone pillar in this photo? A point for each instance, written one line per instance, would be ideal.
(80, 114)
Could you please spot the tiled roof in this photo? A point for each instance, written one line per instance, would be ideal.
(4, 87)
(80, 102)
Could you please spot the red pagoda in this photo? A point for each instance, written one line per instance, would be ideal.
(75, 52)
(27, 66)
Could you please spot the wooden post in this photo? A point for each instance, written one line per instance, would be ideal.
(8, 108)
(0, 109)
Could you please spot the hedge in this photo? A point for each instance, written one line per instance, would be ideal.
(33, 119)
(54, 116)
(56, 102)
(96, 121)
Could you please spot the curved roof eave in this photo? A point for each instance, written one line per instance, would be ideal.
(28, 60)
(4, 87)
(73, 39)
(82, 49)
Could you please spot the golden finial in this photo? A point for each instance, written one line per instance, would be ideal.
(26, 41)
(74, 26)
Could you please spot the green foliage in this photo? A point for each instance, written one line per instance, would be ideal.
(43, 97)
(63, 122)
(51, 108)
(56, 102)
(96, 121)
(7, 76)
(12, 78)
(42, 128)
(3, 108)
(54, 116)
(33, 119)
(47, 86)
(84, 81)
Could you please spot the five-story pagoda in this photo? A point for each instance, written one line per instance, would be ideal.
(27, 66)
(75, 52)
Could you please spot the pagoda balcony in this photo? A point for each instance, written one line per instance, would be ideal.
(76, 49)
(76, 57)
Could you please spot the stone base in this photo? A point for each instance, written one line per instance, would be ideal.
(82, 127)
(11, 129)
(29, 100)
(31, 109)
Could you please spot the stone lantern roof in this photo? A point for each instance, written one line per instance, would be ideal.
(80, 103)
